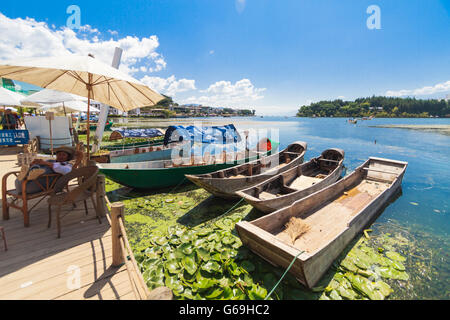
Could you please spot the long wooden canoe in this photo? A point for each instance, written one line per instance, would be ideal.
(224, 183)
(296, 183)
(131, 145)
(171, 172)
(334, 215)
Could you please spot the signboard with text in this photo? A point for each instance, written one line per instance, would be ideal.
(13, 137)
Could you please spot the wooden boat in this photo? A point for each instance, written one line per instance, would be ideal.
(334, 215)
(224, 183)
(119, 146)
(171, 172)
(93, 127)
(354, 121)
(296, 183)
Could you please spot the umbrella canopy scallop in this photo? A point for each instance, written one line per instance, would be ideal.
(83, 76)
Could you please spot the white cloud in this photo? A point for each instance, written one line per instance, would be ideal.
(225, 93)
(28, 38)
(440, 87)
(169, 86)
(211, 52)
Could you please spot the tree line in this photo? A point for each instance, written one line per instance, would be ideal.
(381, 107)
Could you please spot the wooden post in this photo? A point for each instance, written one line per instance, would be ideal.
(117, 210)
(100, 196)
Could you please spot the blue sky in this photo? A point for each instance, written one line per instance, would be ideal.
(271, 55)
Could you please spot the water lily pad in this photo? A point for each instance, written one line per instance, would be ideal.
(346, 293)
(383, 287)
(186, 248)
(227, 240)
(214, 293)
(174, 284)
(225, 224)
(189, 265)
(395, 256)
(186, 237)
(204, 232)
(161, 240)
(257, 293)
(392, 273)
(203, 254)
(348, 264)
(334, 295)
(212, 267)
(398, 265)
(172, 266)
(364, 286)
(213, 237)
(204, 284)
(187, 293)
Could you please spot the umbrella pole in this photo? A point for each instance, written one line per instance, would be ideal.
(88, 125)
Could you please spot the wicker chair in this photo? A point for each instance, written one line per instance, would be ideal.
(46, 188)
(2, 231)
(87, 178)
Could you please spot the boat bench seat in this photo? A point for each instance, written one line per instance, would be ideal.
(304, 182)
(267, 195)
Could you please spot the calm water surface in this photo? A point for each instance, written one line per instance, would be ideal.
(424, 205)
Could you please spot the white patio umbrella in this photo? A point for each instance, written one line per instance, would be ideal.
(69, 106)
(10, 98)
(84, 76)
(49, 96)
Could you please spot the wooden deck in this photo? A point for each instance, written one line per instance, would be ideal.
(40, 266)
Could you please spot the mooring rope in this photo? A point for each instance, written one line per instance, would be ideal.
(285, 272)
(177, 185)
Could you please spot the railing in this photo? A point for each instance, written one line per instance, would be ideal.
(121, 250)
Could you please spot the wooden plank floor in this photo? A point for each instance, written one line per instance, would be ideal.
(40, 266)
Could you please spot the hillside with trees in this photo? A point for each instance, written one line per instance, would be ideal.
(380, 107)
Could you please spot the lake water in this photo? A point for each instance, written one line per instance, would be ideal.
(422, 210)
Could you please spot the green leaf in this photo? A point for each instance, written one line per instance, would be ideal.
(213, 237)
(212, 267)
(189, 265)
(186, 248)
(257, 293)
(204, 232)
(227, 293)
(172, 266)
(203, 254)
(161, 240)
(174, 284)
(395, 256)
(214, 294)
(227, 240)
(204, 284)
(334, 295)
(188, 293)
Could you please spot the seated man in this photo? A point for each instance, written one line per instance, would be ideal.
(38, 167)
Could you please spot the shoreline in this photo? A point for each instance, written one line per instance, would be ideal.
(437, 128)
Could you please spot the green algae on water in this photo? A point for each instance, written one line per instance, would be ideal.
(183, 240)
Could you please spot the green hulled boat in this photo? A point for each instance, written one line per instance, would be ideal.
(167, 173)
